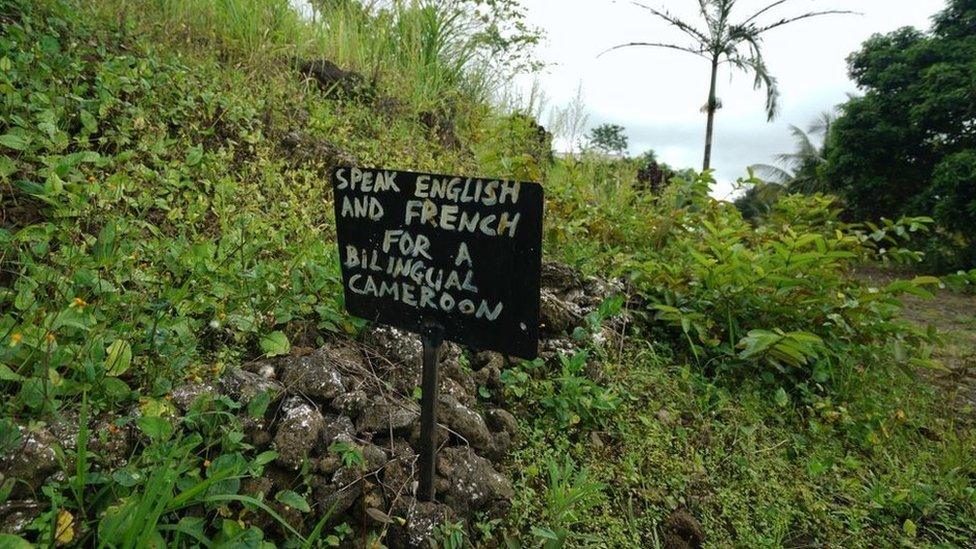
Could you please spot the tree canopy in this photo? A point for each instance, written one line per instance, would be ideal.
(908, 145)
(609, 138)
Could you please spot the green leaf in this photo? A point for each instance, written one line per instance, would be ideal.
(910, 529)
(194, 156)
(12, 141)
(88, 121)
(119, 358)
(293, 500)
(6, 374)
(259, 405)
(32, 392)
(115, 389)
(275, 343)
(11, 541)
(782, 399)
(156, 428)
(265, 457)
(544, 533)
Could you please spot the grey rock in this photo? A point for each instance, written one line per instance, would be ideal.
(382, 415)
(449, 386)
(185, 395)
(351, 403)
(463, 421)
(298, 430)
(419, 521)
(31, 462)
(318, 375)
(557, 316)
(337, 429)
(488, 359)
(502, 420)
(374, 456)
(472, 483)
(16, 516)
(242, 385)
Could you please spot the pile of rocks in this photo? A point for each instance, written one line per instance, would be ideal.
(359, 397)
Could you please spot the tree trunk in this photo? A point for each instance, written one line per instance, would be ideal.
(710, 108)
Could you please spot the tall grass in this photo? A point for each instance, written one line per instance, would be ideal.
(420, 51)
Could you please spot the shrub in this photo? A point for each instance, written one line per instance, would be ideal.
(777, 300)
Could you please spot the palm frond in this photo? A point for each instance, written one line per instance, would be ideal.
(699, 53)
(759, 13)
(674, 21)
(772, 174)
(788, 20)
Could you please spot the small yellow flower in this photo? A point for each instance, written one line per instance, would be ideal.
(49, 338)
(15, 339)
(206, 464)
(79, 302)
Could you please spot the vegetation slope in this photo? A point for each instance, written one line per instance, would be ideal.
(166, 215)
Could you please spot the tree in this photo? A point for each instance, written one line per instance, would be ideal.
(723, 41)
(609, 138)
(907, 145)
(801, 170)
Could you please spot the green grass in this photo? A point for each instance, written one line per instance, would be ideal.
(157, 225)
(888, 466)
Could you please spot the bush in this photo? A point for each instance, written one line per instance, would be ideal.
(777, 300)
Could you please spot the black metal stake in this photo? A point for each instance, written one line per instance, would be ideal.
(432, 336)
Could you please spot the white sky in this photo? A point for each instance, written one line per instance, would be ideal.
(657, 94)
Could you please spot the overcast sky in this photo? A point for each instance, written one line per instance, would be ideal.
(657, 94)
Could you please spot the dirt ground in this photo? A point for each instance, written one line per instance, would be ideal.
(953, 314)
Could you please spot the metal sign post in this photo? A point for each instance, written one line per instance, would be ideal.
(432, 336)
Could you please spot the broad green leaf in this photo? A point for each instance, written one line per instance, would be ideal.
(6, 374)
(194, 155)
(275, 343)
(259, 405)
(119, 358)
(156, 428)
(11, 541)
(12, 141)
(293, 500)
(782, 399)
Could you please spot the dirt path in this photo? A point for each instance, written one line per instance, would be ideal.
(954, 315)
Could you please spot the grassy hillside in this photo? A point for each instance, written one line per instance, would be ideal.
(166, 216)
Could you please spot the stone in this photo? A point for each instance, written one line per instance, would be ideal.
(317, 375)
(449, 386)
(472, 483)
(242, 385)
(488, 359)
(502, 420)
(351, 403)
(31, 462)
(420, 518)
(337, 429)
(557, 316)
(298, 431)
(16, 516)
(374, 456)
(185, 395)
(334, 81)
(383, 414)
(463, 421)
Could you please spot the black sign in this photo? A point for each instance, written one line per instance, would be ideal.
(461, 252)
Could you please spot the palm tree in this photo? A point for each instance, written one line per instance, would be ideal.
(721, 42)
(799, 171)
